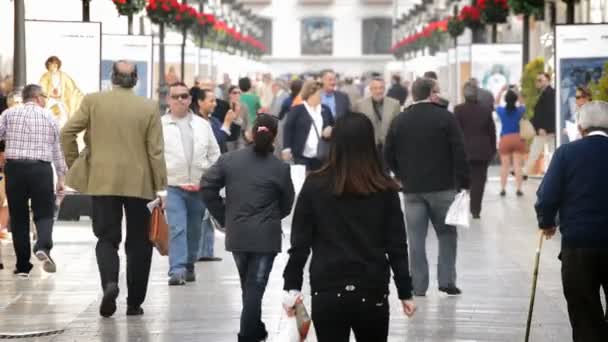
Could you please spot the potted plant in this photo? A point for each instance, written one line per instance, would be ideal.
(455, 27)
(162, 11)
(129, 8)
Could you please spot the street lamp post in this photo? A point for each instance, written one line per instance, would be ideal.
(86, 11)
(19, 57)
(162, 86)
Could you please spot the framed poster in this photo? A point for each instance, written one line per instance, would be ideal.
(317, 36)
(580, 56)
(496, 65)
(65, 59)
(136, 49)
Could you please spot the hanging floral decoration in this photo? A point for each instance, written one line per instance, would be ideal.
(493, 11)
(162, 11)
(471, 16)
(129, 7)
(431, 36)
(455, 27)
(527, 7)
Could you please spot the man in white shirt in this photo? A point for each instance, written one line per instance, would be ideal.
(190, 150)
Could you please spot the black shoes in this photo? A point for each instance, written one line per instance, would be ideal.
(190, 276)
(108, 302)
(503, 193)
(519, 193)
(476, 216)
(48, 265)
(135, 311)
(209, 259)
(451, 290)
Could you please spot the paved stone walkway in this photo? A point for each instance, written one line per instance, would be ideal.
(495, 270)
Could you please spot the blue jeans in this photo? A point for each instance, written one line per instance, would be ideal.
(184, 212)
(205, 250)
(254, 270)
(421, 208)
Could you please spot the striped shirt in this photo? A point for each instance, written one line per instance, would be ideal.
(31, 133)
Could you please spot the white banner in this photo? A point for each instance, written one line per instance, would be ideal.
(580, 55)
(496, 65)
(136, 49)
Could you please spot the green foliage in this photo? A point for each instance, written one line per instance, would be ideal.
(529, 7)
(455, 27)
(599, 89)
(528, 84)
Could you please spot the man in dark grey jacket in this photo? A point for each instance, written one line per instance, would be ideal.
(259, 193)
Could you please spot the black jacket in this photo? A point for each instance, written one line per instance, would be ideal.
(479, 130)
(298, 125)
(355, 240)
(219, 112)
(398, 92)
(544, 111)
(425, 149)
(259, 193)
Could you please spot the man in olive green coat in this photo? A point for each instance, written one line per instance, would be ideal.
(121, 166)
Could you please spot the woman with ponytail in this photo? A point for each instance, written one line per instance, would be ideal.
(511, 144)
(259, 194)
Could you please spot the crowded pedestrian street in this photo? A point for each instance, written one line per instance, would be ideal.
(496, 262)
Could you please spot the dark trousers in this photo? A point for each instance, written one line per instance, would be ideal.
(335, 313)
(584, 270)
(30, 181)
(107, 224)
(254, 270)
(479, 176)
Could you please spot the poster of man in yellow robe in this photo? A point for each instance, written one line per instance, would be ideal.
(64, 96)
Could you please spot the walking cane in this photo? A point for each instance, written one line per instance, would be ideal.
(534, 281)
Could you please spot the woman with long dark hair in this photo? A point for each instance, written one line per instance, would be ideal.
(349, 215)
(259, 193)
(511, 145)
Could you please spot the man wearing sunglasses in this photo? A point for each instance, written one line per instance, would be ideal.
(190, 150)
(32, 145)
(543, 121)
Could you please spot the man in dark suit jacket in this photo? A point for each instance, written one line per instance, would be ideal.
(337, 101)
(397, 90)
(479, 131)
(543, 121)
(425, 150)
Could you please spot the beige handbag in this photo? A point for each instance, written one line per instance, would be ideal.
(526, 129)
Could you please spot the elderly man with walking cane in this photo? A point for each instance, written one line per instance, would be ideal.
(575, 188)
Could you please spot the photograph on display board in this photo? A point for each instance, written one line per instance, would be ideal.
(68, 68)
(317, 36)
(573, 73)
(496, 66)
(136, 49)
(63, 93)
(141, 88)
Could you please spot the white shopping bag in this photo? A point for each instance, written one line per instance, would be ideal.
(458, 214)
(298, 176)
(288, 331)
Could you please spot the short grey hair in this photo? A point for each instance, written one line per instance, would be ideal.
(470, 92)
(30, 92)
(594, 116)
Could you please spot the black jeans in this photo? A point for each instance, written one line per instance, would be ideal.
(335, 313)
(254, 270)
(584, 270)
(30, 181)
(107, 226)
(479, 176)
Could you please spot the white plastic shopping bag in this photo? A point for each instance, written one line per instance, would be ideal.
(458, 214)
(288, 330)
(298, 176)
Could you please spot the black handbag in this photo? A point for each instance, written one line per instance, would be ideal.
(323, 147)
